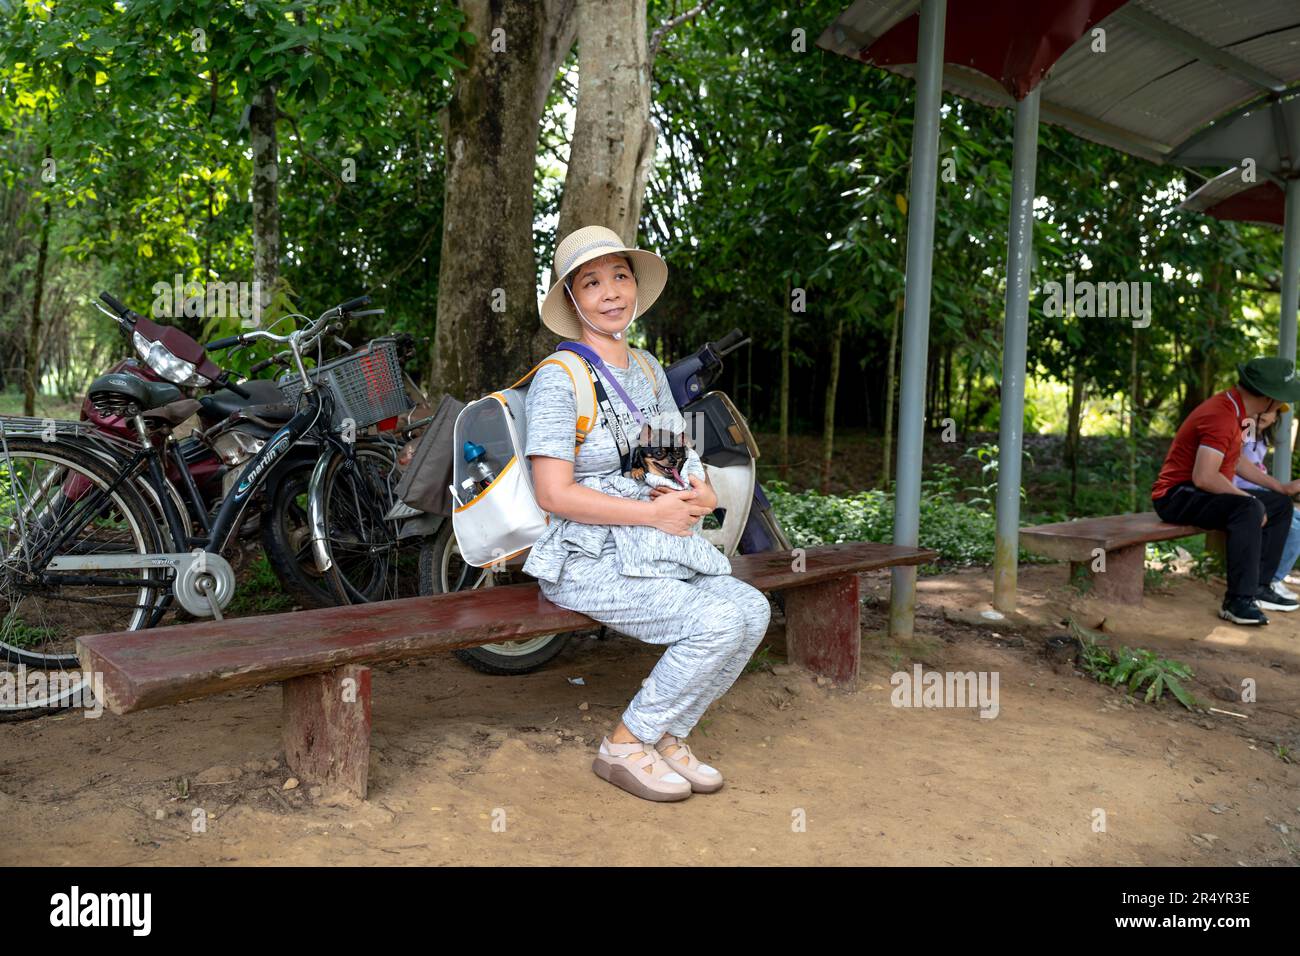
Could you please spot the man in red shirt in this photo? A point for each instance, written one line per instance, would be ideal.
(1195, 486)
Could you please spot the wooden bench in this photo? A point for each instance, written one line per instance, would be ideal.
(1122, 539)
(322, 656)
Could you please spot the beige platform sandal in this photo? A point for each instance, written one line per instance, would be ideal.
(641, 770)
(703, 778)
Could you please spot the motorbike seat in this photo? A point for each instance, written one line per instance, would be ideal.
(223, 403)
(120, 393)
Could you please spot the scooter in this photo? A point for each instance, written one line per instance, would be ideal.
(743, 516)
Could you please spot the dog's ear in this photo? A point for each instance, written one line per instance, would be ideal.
(646, 433)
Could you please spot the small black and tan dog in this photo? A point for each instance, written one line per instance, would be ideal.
(659, 452)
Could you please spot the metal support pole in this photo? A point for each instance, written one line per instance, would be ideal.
(1286, 334)
(916, 307)
(1015, 330)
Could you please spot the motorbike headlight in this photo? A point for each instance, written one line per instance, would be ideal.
(173, 369)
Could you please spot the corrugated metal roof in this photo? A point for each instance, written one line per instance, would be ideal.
(1229, 196)
(1170, 67)
(863, 23)
(1268, 133)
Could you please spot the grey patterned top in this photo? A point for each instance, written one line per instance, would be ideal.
(552, 413)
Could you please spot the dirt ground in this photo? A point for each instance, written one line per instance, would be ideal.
(471, 769)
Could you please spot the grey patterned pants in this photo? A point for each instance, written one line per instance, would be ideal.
(711, 623)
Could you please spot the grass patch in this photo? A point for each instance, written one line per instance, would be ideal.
(20, 634)
(259, 591)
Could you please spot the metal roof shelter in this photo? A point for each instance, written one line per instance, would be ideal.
(1264, 137)
(1141, 76)
(1230, 197)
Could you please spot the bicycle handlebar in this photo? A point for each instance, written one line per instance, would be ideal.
(225, 343)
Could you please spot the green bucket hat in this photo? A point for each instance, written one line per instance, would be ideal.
(1272, 377)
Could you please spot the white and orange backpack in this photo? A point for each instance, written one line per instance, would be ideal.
(503, 520)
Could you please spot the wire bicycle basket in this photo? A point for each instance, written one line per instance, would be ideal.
(366, 384)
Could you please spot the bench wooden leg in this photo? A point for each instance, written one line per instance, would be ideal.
(1216, 542)
(822, 629)
(326, 723)
(1121, 582)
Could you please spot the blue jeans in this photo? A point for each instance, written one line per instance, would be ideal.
(1290, 550)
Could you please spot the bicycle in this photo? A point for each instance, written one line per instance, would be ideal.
(80, 548)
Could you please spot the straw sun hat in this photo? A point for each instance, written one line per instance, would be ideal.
(583, 245)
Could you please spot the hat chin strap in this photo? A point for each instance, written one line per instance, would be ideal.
(614, 335)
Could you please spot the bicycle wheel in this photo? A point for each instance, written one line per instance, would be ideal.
(442, 570)
(54, 500)
(367, 564)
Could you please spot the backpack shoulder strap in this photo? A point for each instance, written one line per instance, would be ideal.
(584, 391)
(646, 368)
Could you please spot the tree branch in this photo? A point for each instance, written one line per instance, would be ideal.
(657, 37)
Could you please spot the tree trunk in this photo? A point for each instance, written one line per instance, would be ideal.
(32, 364)
(612, 151)
(1132, 426)
(928, 415)
(785, 386)
(947, 382)
(828, 421)
(1198, 365)
(487, 325)
(262, 117)
(1072, 432)
(886, 466)
(965, 416)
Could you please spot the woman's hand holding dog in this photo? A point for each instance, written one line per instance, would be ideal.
(675, 511)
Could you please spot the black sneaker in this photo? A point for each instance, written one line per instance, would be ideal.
(1267, 597)
(1240, 610)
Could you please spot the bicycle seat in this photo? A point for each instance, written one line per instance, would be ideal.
(224, 403)
(120, 394)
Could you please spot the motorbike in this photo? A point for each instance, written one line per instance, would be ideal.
(742, 521)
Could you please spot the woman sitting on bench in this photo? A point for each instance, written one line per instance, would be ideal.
(1255, 451)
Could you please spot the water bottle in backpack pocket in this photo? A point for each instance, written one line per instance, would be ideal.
(496, 515)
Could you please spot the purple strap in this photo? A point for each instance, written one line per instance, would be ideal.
(589, 354)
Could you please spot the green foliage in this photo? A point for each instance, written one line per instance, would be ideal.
(19, 633)
(962, 534)
(143, 108)
(1133, 668)
(775, 169)
(986, 454)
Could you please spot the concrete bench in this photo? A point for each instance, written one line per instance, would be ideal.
(1122, 539)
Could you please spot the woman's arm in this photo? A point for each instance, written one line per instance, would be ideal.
(558, 493)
